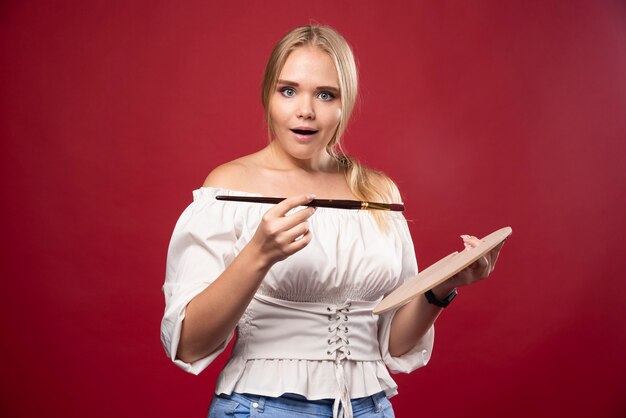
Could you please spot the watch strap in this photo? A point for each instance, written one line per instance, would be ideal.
(434, 300)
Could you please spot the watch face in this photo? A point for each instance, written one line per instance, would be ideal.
(451, 296)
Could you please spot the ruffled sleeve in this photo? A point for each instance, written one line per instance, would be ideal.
(202, 245)
(420, 354)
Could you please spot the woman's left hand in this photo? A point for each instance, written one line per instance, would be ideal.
(479, 269)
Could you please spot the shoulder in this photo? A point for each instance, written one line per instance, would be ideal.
(232, 175)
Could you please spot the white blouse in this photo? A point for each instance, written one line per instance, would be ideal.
(310, 329)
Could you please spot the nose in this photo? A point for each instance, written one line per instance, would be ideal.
(305, 108)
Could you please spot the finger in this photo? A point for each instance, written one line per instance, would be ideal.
(488, 266)
(494, 254)
(300, 243)
(287, 222)
(470, 241)
(286, 205)
(478, 270)
(295, 232)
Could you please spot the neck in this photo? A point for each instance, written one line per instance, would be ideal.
(281, 160)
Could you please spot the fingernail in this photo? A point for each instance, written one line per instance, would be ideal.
(311, 196)
(465, 236)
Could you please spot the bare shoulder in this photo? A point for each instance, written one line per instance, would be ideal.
(232, 175)
(224, 175)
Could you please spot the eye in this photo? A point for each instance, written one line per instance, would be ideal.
(288, 92)
(325, 95)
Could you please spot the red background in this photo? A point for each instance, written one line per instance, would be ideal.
(486, 114)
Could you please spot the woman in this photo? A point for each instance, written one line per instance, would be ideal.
(299, 284)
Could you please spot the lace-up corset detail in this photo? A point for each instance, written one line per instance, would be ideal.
(338, 342)
(338, 338)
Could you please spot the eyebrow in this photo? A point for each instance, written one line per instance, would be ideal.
(293, 83)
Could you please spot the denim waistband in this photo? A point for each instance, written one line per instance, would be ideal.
(298, 403)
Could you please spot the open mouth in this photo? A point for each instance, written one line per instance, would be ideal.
(304, 131)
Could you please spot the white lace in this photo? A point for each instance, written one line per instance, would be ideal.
(338, 345)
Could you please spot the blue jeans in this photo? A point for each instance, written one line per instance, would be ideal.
(294, 406)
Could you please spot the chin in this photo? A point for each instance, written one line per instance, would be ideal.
(302, 151)
(303, 154)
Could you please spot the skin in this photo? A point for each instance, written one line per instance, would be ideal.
(306, 96)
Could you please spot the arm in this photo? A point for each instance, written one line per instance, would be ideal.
(414, 319)
(213, 313)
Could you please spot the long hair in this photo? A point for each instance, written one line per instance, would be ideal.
(364, 183)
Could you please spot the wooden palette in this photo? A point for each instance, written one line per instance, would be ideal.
(441, 271)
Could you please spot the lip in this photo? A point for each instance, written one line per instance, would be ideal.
(300, 137)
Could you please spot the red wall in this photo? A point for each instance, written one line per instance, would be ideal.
(486, 113)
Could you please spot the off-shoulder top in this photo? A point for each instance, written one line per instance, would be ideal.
(309, 330)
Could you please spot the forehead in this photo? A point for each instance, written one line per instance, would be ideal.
(309, 65)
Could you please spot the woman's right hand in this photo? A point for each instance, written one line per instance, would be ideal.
(280, 235)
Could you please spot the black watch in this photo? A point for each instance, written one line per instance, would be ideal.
(433, 300)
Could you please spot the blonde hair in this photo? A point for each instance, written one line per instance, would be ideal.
(364, 183)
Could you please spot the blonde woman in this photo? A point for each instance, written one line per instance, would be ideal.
(298, 284)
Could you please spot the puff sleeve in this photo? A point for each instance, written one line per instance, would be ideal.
(420, 354)
(201, 247)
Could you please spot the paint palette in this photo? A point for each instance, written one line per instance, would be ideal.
(441, 271)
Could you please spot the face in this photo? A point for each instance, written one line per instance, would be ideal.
(305, 107)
